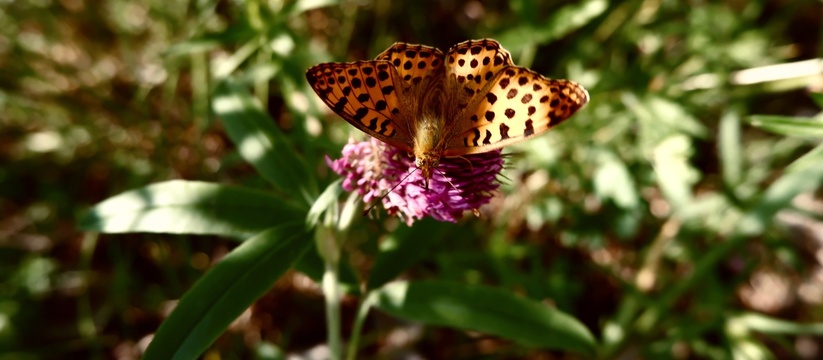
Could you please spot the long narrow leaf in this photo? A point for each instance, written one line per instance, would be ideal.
(801, 176)
(729, 146)
(227, 290)
(190, 207)
(484, 309)
(261, 143)
(789, 126)
(771, 325)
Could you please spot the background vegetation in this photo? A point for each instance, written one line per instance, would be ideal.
(665, 217)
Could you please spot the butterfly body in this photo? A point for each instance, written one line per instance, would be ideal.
(430, 126)
(470, 100)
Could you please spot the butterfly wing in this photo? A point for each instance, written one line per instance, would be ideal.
(364, 93)
(518, 104)
(472, 64)
(413, 62)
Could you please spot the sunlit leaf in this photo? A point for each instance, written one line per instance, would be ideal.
(613, 180)
(675, 116)
(770, 325)
(190, 207)
(675, 175)
(789, 126)
(260, 142)
(328, 198)
(730, 146)
(300, 6)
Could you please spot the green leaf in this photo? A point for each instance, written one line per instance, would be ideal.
(301, 6)
(803, 175)
(226, 290)
(558, 24)
(260, 142)
(818, 99)
(190, 207)
(730, 146)
(675, 175)
(484, 309)
(789, 126)
(675, 115)
(613, 180)
(810, 159)
(770, 325)
(226, 66)
(403, 248)
(236, 33)
(326, 200)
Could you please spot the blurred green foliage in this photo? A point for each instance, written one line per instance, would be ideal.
(677, 216)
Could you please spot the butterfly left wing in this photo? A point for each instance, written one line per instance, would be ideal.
(517, 105)
(364, 93)
(413, 62)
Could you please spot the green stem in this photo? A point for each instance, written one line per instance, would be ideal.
(331, 291)
(354, 342)
(86, 326)
(326, 239)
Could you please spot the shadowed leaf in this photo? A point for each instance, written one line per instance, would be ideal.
(226, 290)
(484, 309)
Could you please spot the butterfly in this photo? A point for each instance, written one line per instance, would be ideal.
(471, 100)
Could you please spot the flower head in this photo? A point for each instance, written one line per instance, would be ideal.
(373, 168)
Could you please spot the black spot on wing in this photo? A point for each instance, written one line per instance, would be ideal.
(384, 126)
(529, 128)
(504, 132)
(487, 139)
(512, 93)
(490, 116)
(380, 105)
(361, 113)
(340, 105)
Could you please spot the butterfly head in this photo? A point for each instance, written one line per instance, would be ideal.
(427, 162)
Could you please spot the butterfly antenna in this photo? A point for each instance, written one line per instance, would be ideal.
(475, 211)
(380, 199)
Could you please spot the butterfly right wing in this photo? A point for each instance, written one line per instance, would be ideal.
(517, 104)
(364, 93)
(473, 63)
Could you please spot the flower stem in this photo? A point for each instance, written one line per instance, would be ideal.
(354, 342)
(331, 292)
(329, 236)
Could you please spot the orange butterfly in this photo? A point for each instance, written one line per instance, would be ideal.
(471, 100)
